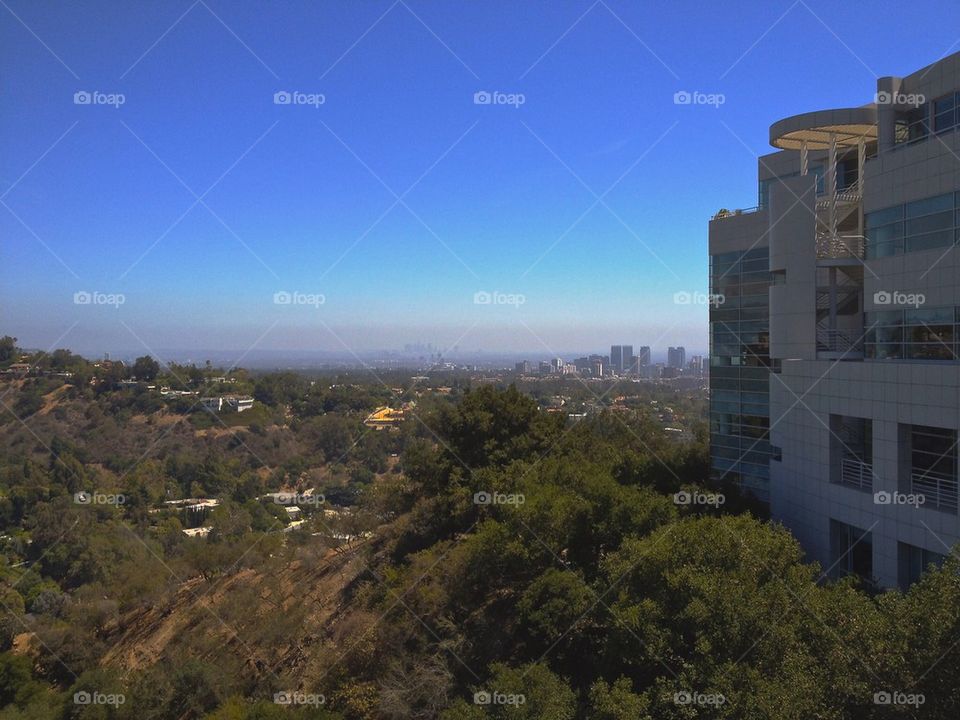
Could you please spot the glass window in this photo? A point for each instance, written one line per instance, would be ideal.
(851, 550)
(763, 194)
(917, 125)
(886, 317)
(885, 240)
(929, 241)
(846, 173)
(913, 561)
(928, 315)
(933, 455)
(920, 225)
(882, 217)
(944, 113)
(935, 204)
(930, 223)
(929, 351)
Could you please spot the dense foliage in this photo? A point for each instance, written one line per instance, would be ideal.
(505, 562)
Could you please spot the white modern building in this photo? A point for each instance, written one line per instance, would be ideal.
(835, 377)
(216, 404)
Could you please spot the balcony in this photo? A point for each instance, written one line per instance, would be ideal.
(724, 213)
(856, 474)
(939, 491)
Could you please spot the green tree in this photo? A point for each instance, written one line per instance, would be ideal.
(617, 701)
(8, 349)
(529, 692)
(146, 368)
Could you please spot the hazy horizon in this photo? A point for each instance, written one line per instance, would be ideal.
(353, 178)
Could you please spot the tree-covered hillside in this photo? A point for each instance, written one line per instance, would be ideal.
(488, 559)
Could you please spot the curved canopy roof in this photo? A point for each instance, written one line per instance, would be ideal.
(849, 125)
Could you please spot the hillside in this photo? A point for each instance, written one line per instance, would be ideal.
(508, 562)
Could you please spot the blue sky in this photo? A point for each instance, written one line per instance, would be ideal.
(399, 198)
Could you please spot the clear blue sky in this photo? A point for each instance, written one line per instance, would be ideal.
(504, 198)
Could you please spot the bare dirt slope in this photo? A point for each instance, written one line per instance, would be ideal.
(260, 621)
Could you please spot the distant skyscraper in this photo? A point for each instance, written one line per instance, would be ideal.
(621, 358)
(676, 357)
(616, 357)
(523, 367)
(643, 359)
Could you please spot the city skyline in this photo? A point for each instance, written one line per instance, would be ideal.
(139, 215)
(451, 360)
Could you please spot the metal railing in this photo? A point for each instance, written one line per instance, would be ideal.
(846, 293)
(939, 491)
(840, 246)
(856, 473)
(851, 194)
(736, 213)
(837, 341)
